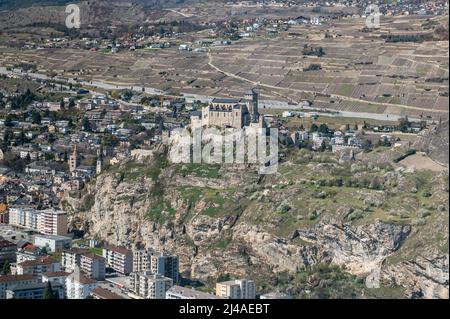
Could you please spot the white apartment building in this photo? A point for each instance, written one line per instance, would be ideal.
(70, 258)
(53, 222)
(236, 289)
(150, 286)
(58, 277)
(24, 217)
(118, 258)
(93, 265)
(38, 266)
(141, 259)
(78, 286)
(49, 222)
(157, 262)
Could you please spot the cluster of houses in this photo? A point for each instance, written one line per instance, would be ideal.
(46, 155)
(53, 263)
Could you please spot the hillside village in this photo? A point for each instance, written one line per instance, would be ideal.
(91, 207)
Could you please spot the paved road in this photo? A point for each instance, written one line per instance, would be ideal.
(180, 13)
(96, 84)
(268, 104)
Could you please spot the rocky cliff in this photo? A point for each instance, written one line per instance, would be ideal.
(434, 141)
(228, 219)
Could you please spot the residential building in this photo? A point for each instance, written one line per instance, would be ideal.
(165, 265)
(236, 289)
(93, 266)
(177, 292)
(49, 222)
(7, 252)
(141, 259)
(38, 266)
(118, 258)
(157, 262)
(70, 258)
(52, 243)
(29, 252)
(33, 291)
(8, 281)
(53, 222)
(57, 277)
(150, 286)
(23, 217)
(78, 285)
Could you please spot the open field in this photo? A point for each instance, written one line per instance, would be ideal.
(360, 72)
(422, 162)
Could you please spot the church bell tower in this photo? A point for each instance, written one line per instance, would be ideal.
(251, 98)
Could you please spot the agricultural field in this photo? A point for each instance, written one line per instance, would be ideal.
(359, 71)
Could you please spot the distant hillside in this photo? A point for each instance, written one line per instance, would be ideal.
(14, 4)
(93, 13)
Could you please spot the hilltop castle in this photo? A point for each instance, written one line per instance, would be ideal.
(235, 113)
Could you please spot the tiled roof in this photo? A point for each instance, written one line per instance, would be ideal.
(226, 100)
(76, 250)
(120, 250)
(9, 278)
(6, 243)
(93, 256)
(56, 274)
(45, 260)
(105, 293)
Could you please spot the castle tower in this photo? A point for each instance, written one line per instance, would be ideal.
(251, 98)
(74, 160)
(99, 168)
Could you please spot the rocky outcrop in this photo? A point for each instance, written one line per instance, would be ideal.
(360, 249)
(424, 277)
(230, 242)
(435, 142)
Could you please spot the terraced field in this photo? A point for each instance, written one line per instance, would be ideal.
(359, 72)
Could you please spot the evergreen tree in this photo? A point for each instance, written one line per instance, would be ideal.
(36, 117)
(48, 292)
(6, 268)
(323, 129)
